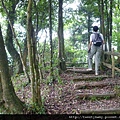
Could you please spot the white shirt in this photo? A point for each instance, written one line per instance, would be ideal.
(92, 36)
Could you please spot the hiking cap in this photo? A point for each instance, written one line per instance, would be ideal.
(95, 28)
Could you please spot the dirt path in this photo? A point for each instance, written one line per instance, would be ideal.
(85, 95)
(77, 92)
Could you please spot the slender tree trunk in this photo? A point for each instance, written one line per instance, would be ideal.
(25, 53)
(33, 64)
(89, 25)
(110, 41)
(102, 26)
(44, 53)
(102, 18)
(108, 27)
(1, 91)
(51, 42)
(12, 51)
(61, 56)
(9, 40)
(36, 69)
(29, 45)
(109, 23)
(12, 102)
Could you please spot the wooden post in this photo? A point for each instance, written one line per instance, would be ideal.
(113, 64)
(103, 60)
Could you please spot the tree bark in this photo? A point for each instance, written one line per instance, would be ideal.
(102, 17)
(12, 102)
(89, 25)
(110, 41)
(108, 27)
(31, 44)
(25, 52)
(51, 44)
(1, 91)
(9, 40)
(61, 56)
(12, 51)
(14, 35)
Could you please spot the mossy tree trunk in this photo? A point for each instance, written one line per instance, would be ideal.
(14, 35)
(33, 64)
(12, 102)
(9, 39)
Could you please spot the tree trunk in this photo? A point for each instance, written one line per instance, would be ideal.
(25, 52)
(12, 102)
(102, 17)
(36, 69)
(108, 5)
(61, 54)
(31, 44)
(1, 91)
(102, 29)
(51, 42)
(13, 32)
(89, 26)
(108, 27)
(9, 41)
(110, 41)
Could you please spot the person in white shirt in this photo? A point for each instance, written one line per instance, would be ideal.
(95, 50)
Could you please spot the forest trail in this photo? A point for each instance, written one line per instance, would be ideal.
(96, 90)
(77, 91)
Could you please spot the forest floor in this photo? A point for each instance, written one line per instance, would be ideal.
(62, 96)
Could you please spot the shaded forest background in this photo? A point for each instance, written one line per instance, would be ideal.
(39, 37)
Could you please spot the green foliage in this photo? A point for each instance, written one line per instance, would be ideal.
(117, 90)
(93, 98)
(75, 54)
(19, 82)
(36, 109)
(116, 28)
(3, 110)
(57, 76)
(54, 77)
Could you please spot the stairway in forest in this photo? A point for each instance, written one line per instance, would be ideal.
(96, 89)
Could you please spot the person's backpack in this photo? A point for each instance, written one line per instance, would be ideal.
(98, 40)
